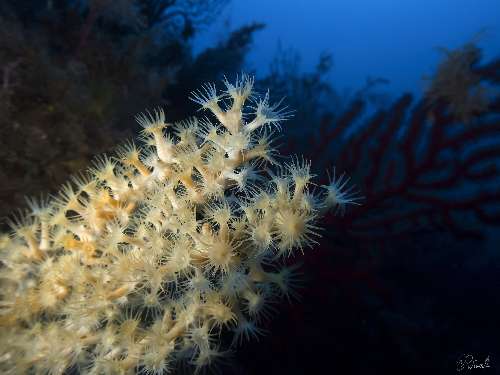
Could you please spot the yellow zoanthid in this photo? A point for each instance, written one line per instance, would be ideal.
(139, 263)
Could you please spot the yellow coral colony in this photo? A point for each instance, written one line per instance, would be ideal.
(138, 264)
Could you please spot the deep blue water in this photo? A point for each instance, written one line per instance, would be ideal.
(392, 39)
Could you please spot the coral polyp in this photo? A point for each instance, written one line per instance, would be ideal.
(138, 263)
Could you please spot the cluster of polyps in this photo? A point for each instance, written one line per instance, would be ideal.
(138, 264)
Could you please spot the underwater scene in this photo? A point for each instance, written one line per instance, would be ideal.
(249, 187)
